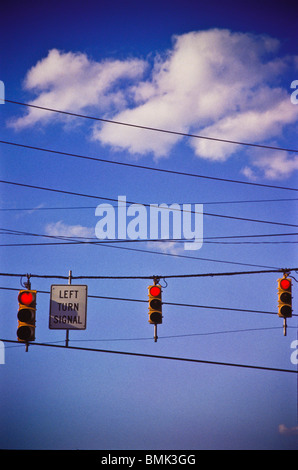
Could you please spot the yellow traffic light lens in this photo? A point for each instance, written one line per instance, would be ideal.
(25, 315)
(286, 297)
(155, 304)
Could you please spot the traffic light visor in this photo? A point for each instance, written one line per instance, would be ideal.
(26, 298)
(285, 284)
(155, 291)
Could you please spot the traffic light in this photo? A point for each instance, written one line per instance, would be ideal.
(155, 304)
(26, 315)
(284, 297)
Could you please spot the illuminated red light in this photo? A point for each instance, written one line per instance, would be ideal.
(285, 284)
(26, 298)
(155, 291)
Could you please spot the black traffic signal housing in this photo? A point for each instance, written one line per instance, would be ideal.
(26, 315)
(155, 304)
(284, 297)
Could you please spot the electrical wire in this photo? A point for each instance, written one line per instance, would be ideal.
(155, 356)
(149, 338)
(205, 203)
(187, 335)
(63, 191)
(107, 245)
(238, 263)
(93, 240)
(161, 276)
(143, 167)
(79, 242)
(6, 231)
(183, 134)
(171, 276)
(175, 304)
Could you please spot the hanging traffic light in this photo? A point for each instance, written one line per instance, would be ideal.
(26, 315)
(284, 297)
(155, 304)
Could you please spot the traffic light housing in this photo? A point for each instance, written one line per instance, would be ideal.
(26, 315)
(155, 304)
(284, 297)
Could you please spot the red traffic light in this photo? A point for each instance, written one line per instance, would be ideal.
(26, 315)
(155, 291)
(285, 297)
(26, 298)
(285, 284)
(155, 304)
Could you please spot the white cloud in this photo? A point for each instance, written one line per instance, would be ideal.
(72, 82)
(174, 248)
(30, 211)
(60, 229)
(274, 165)
(214, 83)
(254, 125)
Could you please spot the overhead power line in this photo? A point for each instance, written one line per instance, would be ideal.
(143, 167)
(161, 276)
(155, 356)
(238, 263)
(146, 338)
(7, 231)
(72, 193)
(95, 241)
(173, 304)
(205, 203)
(107, 244)
(155, 129)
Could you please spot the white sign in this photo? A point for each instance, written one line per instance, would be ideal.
(68, 307)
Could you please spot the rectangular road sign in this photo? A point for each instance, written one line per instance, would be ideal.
(68, 307)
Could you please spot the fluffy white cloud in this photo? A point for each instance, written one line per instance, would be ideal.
(72, 82)
(273, 165)
(253, 125)
(214, 83)
(60, 229)
(174, 248)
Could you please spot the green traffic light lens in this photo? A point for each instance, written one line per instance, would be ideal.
(25, 333)
(286, 311)
(156, 317)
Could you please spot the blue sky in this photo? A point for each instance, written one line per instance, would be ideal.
(221, 70)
